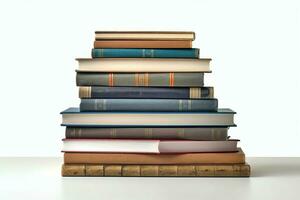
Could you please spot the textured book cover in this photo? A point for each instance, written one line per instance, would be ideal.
(209, 170)
(141, 79)
(149, 105)
(176, 133)
(140, 158)
(98, 92)
(145, 53)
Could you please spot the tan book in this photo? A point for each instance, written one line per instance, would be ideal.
(143, 65)
(221, 170)
(175, 159)
(144, 44)
(144, 35)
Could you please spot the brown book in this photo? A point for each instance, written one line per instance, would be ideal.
(222, 170)
(175, 159)
(145, 44)
(144, 35)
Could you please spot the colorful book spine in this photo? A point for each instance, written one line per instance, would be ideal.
(91, 92)
(145, 53)
(149, 105)
(185, 133)
(141, 79)
(234, 170)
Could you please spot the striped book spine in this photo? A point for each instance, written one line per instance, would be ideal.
(141, 79)
(235, 170)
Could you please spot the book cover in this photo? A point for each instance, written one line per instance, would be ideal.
(175, 133)
(221, 118)
(97, 92)
(143, 44)
(143, 65)
(145, 53)
(149, 105)
(141, 79)
(140, 159)
(208, 170)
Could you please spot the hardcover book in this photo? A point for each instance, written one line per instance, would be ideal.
(221, 118)
(143, 65)
(145, 53)
(147, 146)
(156, 159)
(149, 105)
(94, 92)
(144, 35)
(143, 44)
(194, 170)
(175, 133)
(141, 79)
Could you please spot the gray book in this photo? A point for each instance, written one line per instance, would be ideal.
(169, 133)
(141, 79)
(149, 105)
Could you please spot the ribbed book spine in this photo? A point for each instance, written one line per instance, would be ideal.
(236, 170)
(141, 79)
(186, 133)
(91, 92)
(149, 105)
(145, 53)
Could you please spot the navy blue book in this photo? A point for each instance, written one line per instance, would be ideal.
(145, 53)
(72, 117)
(149, 105)
(98, 92)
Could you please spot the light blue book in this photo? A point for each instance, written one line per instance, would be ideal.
(145, 53)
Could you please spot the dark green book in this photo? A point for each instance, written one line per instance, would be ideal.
(140, 79)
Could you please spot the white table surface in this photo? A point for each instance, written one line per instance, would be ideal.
(39, 178)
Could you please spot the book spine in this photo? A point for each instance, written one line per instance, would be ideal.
(148, 105)
(91, 92)
(141, 79)
(235, 170)
(144, 44)
(145, 53)
(201, 133)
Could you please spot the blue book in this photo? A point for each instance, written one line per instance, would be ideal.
(221, 118)
(149, 105)
(145, 53)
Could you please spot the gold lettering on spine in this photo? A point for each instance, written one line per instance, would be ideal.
(136, 79)
(85, 92)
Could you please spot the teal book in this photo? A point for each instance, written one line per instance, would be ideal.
(145, 53)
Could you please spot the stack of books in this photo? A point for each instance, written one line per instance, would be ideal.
(145, 111)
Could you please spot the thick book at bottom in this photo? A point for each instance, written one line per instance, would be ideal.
(222, 170)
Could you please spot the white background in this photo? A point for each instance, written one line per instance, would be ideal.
(254, 46)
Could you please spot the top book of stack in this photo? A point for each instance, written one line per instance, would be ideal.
(143, 39)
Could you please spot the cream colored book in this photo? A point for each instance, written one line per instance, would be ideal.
(144, 35)
(143, 65)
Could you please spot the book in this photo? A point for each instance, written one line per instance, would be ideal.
(143, 65)
(175, 133)
(94, 92)
(147, 146)
(149, 105)
(143, 44)
(221, 118)
(156, 159)
(141, 79)
(208, 170)
(144, 35)
(145, 53)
